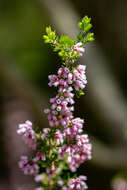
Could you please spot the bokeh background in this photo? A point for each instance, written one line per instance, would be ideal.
(25, 62)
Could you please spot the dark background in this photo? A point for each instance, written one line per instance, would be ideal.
(26, 62)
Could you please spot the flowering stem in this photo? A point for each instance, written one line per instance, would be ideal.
(62, 146)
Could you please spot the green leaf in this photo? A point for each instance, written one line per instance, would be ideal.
(50, 37)
(85, 24)
(66, 41)
(48, 30)
(46, 39)
(80, 93)
(90, 37)
(79, 37)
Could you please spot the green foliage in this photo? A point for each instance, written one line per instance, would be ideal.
(90, 37)
(65, 45)
(85, 24)
(50, 36)
(85, 36)
(66, 42)
(66, 48)
(80, 93)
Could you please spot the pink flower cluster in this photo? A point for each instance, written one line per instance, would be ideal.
(60, 113)
(65, 78)
(70, 143)
(76, 127)
(76, 184)
(27, 167)
(61, 109)
(77, 153)
(28, 134)
(30, 167)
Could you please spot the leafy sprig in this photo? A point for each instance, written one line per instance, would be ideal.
(64, 45)
(85, 36)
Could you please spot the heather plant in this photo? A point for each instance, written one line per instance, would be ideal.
(61, 147)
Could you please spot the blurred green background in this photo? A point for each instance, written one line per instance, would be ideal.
(26, 62)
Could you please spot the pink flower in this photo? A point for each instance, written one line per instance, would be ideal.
(39, 188)
(59, 137)
(79, 49)
(46, 110)
(39, 156)
(45, 133)
(60, 182)
(39, 178)
(62, 72)
(28, 134)
(81, 68)
(54, 81)
(119, 184)
(43, 157)
(76, 184)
